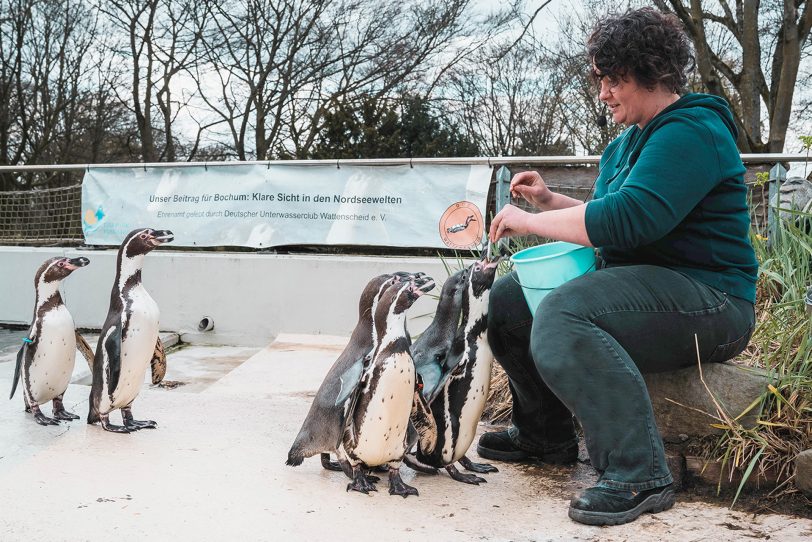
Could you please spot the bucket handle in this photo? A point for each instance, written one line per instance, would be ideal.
(513, 276)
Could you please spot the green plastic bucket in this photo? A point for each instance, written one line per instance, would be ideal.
(544, 267)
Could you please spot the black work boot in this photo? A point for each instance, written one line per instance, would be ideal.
(605, 506)
(498, 446)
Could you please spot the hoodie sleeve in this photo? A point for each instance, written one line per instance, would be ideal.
(677, 167)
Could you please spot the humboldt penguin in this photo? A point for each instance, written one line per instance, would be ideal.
(45, 360)
(376, 432)
(459, 399)
(323, 428)
(128, 337)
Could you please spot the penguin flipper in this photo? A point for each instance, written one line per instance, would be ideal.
(18, 368)
(452, 363)
(423, 420)
(112, 351)
(441, 384)
(350, 380)
(352, 400)
(85, 350)
(158, 363)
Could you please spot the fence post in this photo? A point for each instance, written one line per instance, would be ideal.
(501, 197)
(502, 189)
(777, 176)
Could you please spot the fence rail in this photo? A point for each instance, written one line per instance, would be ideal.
(54, 215)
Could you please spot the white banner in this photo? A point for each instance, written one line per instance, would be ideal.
(265, 206)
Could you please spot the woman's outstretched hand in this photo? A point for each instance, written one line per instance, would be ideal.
(530, 186)
(510, 222)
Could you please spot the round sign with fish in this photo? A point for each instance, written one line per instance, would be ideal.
(461, 226)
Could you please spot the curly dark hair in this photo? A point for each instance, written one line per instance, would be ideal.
(646, 44)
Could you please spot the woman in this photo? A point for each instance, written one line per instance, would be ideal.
(670, 219)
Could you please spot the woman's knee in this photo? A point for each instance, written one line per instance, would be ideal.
(554, 336)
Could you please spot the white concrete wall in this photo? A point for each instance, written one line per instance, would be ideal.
(251, 297)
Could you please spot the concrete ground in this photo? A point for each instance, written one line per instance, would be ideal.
(214, 470)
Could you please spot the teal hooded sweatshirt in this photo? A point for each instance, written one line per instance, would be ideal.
(673, 194)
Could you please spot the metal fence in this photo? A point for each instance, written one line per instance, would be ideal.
(54, 216)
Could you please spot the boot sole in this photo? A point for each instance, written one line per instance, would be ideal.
(521, 455)
(499, 455)
(653, 504)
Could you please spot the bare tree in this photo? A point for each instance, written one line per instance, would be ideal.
(750, 54)
(160, 39)
(580, 106)
(44, 47)
(273, 68)
(509, 98)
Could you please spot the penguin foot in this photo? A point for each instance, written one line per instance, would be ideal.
(59, 410)
(464, 478)
(65, 415)
(372, 479)
(135, 425)
(42, 419)
(107, 426)
(481, 468)
(360, 482)
(398, 487)
(329, 465)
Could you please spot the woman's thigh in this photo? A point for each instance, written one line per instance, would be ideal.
(657, 315)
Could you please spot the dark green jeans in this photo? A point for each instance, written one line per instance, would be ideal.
(584, 352)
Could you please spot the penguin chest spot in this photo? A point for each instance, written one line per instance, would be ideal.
(475, 395)
(382, 429)
(54, 356)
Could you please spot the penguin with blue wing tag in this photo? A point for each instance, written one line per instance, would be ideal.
(45, 360)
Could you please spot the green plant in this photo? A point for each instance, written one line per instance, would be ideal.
(762, 178)
(806, 142)
(781, 344)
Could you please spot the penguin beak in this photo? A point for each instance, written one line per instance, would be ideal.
(490, 264)
(495, 259)
(162, 236)
(424, 285)
(76, 263)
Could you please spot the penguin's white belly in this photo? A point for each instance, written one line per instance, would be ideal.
(381, 435)
(475, 400)
(52, 366)
(137, 347)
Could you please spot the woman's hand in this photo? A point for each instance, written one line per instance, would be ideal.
(510, 222)
(531, 186)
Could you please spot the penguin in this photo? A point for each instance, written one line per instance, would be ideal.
(128, 337)
(432, 348)
(376, 432)
(45, 360)
(459, 399)
(323, 428)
